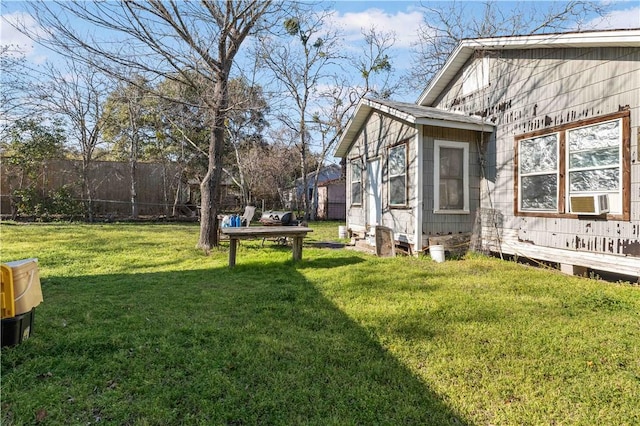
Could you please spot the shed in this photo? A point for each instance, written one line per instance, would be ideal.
(332, 200)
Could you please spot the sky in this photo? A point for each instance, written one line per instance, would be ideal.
(399, 16)
(403, 18)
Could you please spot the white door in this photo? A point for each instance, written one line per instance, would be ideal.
(374, 194)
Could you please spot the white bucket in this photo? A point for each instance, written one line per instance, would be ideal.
(342, 232)
(437, 253)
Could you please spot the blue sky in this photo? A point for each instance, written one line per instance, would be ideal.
(405, 17)
(400, 16)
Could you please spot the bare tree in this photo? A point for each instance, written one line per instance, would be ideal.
(134, 109)
(302, 62)
(77, 93)
(444, 26)
(269, 168)
(245, 125)
(192, 43)
(279, 167)
(316, 73)
(15, 83)
(129, 125)
(373, 65)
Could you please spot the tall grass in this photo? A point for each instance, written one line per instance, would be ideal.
(139, 327)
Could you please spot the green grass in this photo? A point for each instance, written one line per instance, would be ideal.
(138, 327)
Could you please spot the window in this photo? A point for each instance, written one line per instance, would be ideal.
(538, 167)
(594, 161)
(398, 175)
(356, 182)
(451, 177)
(588, 158)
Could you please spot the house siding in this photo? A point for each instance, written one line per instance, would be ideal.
(331, 201)
(378, 134)
(537, 89)
(434, 224)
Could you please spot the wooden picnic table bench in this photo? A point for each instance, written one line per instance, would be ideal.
(297, 234)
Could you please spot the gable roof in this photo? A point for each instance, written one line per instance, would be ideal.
(326, 173)
(466, 48)
(411, 113)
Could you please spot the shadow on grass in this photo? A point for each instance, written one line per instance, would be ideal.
(252, 345)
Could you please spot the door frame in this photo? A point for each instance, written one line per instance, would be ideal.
(374, 193)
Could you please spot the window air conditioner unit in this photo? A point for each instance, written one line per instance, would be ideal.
(589, 204)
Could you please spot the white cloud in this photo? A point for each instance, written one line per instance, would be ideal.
(10, 36)
(617, 19)
(403, 24)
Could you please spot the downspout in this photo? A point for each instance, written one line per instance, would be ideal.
(419, 203)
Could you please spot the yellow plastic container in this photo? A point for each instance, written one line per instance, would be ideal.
(27, 292)
(7, 298)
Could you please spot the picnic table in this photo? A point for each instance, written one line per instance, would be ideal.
(297, 234)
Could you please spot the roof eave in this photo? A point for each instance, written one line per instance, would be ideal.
(465, 49)
(351, 129)
(451, 124)
(453, 121)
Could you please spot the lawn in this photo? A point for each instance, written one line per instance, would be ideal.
(140, 328)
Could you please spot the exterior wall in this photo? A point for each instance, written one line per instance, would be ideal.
(331, 201)
(443, 224)
(377, 135)
(536, 89)
(294, 195)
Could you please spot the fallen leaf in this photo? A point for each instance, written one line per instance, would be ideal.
(41, 415)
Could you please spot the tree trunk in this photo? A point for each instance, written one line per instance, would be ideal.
(133, 157)
(303, 169)
(165, 189)
(86, 190)
(176, 198)
(314, 194)
(210, 187)
(204, 241)
(133, 172)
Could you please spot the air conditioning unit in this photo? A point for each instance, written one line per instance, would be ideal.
(589, 204)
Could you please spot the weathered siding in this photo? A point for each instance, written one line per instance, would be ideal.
(534, 90)
(439, 223)
(380, 133)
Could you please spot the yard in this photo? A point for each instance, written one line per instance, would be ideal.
(138, 327)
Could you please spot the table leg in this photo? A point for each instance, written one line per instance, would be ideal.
(233, 248)
(297, 248)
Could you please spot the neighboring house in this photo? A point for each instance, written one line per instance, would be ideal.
(332, 200)
(529, 143)
(325, 174)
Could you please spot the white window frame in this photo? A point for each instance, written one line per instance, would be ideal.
(436, 175)
(355, 164)
(404, 173)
